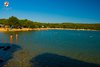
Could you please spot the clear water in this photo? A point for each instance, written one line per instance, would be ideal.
(80, 45)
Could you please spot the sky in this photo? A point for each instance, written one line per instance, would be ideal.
(53, 11)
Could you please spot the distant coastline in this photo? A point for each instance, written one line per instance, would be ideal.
(32, 29)
(15, 24)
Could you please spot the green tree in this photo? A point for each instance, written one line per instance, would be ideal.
(13, 21)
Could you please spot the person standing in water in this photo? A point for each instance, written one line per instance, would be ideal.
(16, 38)
(11, 38)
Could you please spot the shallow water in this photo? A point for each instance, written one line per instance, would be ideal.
(80, 45)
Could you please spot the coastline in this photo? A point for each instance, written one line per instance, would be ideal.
(32, 29)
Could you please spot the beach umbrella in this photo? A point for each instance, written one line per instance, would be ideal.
(6, 4)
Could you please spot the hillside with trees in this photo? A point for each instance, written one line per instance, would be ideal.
(14, 22)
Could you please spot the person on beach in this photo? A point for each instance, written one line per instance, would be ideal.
(11, 37)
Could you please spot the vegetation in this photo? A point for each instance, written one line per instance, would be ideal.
(14, 22)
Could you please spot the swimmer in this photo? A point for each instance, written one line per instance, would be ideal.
(11, 37)
(16, 38)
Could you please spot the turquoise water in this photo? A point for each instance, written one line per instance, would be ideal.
(80, 45)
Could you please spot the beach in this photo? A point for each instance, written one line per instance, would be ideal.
(23, 29)
(31, 29)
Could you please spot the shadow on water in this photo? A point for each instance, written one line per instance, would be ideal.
(6, 52)
(54, 60)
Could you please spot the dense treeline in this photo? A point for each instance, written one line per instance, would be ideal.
(14, 22)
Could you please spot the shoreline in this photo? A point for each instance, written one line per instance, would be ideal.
(32, 29)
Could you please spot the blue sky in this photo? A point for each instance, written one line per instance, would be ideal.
(55, 11)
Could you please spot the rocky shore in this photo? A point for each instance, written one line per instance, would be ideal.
(30, 29)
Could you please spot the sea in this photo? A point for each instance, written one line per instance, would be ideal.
(76, 44)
